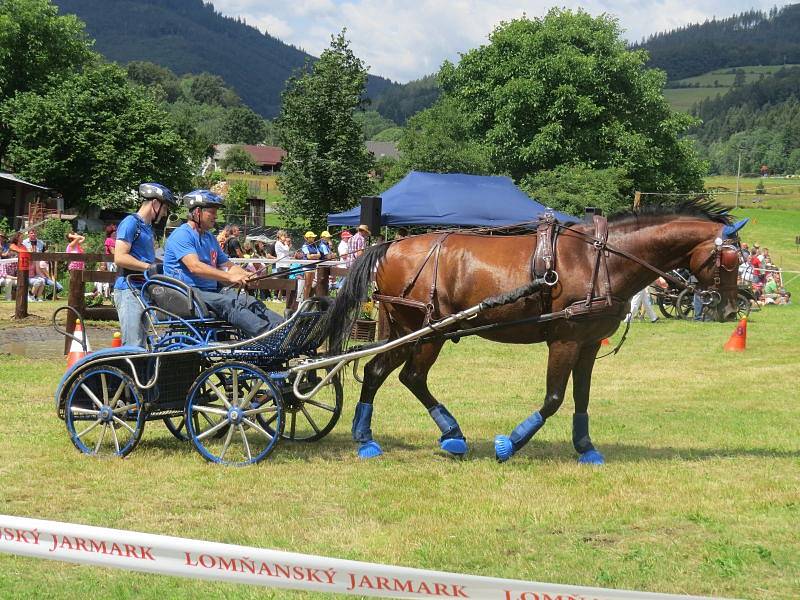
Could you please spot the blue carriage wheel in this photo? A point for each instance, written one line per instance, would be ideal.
(177, 427)
(224, 412)
(103, 412)
(310, 420)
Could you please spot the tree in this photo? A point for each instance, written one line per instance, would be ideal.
(236, 199)
(438, 140)
(372, 123)
(206, 88)
(94, 137)
(327, 164)
(238, 159)
(242, 126)
(37, 48)
(149, 74)
(565, 90)
(571, 188)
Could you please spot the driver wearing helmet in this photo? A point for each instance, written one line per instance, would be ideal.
(134, 252)
(193, 255)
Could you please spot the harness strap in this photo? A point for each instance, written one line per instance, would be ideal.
(429, 306)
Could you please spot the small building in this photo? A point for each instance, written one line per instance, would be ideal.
(17, 196)
(268, 158)
(383, 149)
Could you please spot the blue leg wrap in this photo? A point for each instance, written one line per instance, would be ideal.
(362, 432)
(582, 442)
(452, 440)
(506, 446)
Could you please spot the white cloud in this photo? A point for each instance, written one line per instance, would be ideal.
(404, 40)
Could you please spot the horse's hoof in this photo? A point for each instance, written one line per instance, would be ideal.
(592, 457)
(455, 446)
(369, 449)
(503, 448)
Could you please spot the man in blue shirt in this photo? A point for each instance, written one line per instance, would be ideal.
(134, 252)
(193, 255)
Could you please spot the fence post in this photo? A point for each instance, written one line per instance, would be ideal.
(323, 281)
(76, 301)
(23, 264)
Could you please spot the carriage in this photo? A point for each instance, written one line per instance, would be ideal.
(232, 398)
(235, 398)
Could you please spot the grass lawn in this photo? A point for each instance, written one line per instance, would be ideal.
(699, 494)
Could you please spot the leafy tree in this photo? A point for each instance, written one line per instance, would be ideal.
(564, 89)
(372, 123)
(149, 74)
(327, 163)
(238, 159)
(94, 137)
(439, 140)
(206, 88)
(236, 200)
(241, 125)
(793, 163)
(37, 47)
(571, 188)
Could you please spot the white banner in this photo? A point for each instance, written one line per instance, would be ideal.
(272, 568)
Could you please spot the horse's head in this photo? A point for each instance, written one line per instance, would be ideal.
(715, 263)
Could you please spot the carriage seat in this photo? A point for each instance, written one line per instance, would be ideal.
(176, 297)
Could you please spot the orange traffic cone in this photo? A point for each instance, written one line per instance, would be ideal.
(116, 340)
(738, 339)
(76, 348)
(604, 342)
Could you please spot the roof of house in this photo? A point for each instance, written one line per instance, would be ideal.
(379, 149)
(15, 179)
(262, 155)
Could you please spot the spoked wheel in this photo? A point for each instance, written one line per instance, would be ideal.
(224, 411)
(684, 305)
(103, 413)
(177, 427)
(667, 305)
(743, 305)
(311, 420)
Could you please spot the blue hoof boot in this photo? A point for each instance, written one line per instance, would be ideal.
(592, 457)
(503, 449)
(369, 449)
(456, 446)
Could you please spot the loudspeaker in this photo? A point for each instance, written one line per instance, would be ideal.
(371, 213)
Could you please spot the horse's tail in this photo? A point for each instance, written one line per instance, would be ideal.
(339, 318)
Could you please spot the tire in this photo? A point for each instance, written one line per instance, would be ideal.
(667, 305)
(177, 427)
(311, 420)
(743, 305)
(684, 305)
(222, 414)
(103, 412)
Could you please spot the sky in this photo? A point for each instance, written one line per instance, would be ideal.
(407, 39)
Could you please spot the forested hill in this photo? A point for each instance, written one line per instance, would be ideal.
(750, 38)
(188, 36)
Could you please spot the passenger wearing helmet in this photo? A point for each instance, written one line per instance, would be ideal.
(194, 256)
(134, 252)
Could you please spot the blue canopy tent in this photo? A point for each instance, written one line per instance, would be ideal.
(452, 199)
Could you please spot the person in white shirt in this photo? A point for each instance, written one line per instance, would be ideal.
(342, 248)
(283, 251)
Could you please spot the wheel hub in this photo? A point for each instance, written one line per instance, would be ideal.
(106, 414)
(235, 415)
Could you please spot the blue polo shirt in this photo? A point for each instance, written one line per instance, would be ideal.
(310, 248)
(184, 241)
(142, 245)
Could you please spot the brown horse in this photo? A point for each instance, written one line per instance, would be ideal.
(468, 268)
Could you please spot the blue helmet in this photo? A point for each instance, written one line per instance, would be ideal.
(202, 199)
(156, 191)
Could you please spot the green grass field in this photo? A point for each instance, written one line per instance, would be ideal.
(699, 494)
(713, 83)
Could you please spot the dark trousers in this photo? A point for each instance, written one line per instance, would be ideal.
(241, 310)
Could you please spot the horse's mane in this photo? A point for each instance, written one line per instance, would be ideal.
(695, 207)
